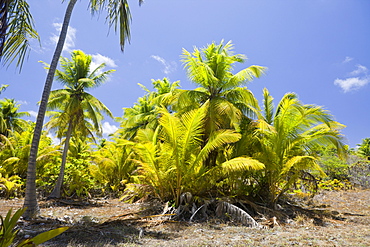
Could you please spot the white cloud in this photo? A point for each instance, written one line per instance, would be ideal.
(33, 114)
(98, 59)
(168, 67)
(22, 102)
(359, 78)
(109, 128)
(352, 83)
(70, 39)
(360, 70)
(54, 139)
(347, 59)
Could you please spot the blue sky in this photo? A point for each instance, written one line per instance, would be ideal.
(318, 49)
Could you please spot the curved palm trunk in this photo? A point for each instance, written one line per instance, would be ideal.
(58, 186)
(30, 200)
(4, 6)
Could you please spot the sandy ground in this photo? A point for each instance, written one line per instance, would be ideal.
(112, 223)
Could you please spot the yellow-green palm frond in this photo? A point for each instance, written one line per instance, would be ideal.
(244, 76)
(244, 100)
(241, 164)
(17, 29)
(268, 106)
(145, 135)
(216, 140)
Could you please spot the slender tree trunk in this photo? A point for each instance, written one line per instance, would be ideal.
(30, 200)
(58, 186)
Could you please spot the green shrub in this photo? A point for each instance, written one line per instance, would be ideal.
(8, 231)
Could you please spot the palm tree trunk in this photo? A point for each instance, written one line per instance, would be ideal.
(58, 186)
(30, 200)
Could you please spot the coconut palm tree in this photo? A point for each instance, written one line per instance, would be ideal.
(364, 148)
(171, 159)
(144, 113)
(16, 150)
(10, 117)
(16, 31)
(77, 108)
(288, 138)
(212, 69)
(118, 15)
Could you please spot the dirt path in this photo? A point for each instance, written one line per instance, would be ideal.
(112, 223)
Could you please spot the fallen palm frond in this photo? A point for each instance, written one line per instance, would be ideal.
(235, 213)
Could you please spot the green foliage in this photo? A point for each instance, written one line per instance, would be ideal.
(11, 186)
(171, 159)
(112, 165)
(364, 148)
(8, 232)
(10, 117)
(334, 184)
(144, 113)
(15, 152)
(16, 32)
(78, 179)
(333, 166)
(288, 137)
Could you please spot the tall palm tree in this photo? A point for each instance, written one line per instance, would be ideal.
(77, 108)
(289, 136)
(10, 117)
(16, 30)
(212, 69)
(119, 16)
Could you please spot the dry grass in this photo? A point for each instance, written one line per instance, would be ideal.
(337, 218)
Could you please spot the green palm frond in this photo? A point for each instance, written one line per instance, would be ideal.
(268, 106)
(217, 140)
(244, 76)
(241, 164)
(17, 30)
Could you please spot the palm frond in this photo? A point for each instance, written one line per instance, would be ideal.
(241, 164)
(16, 31)
(228, 210)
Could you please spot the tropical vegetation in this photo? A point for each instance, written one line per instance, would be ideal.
(217, 141)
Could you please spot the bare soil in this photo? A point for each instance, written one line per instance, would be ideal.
(332, 218)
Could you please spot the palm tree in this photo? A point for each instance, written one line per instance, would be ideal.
(144, 113)
(211, 68)
(119, 16)
(16, 30)
(288, 137)
(112, 164)
(171, 159)
(10, 118)
(364, 148)
(77, 107)
(16, 150)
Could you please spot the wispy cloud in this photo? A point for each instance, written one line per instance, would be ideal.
(360, 70)
(33, 114)
(351, 84)
(98, 59)
(168, 67)
(347, 59)
(359, 78)
(70, 39)
(22, 102)
(109, 128)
